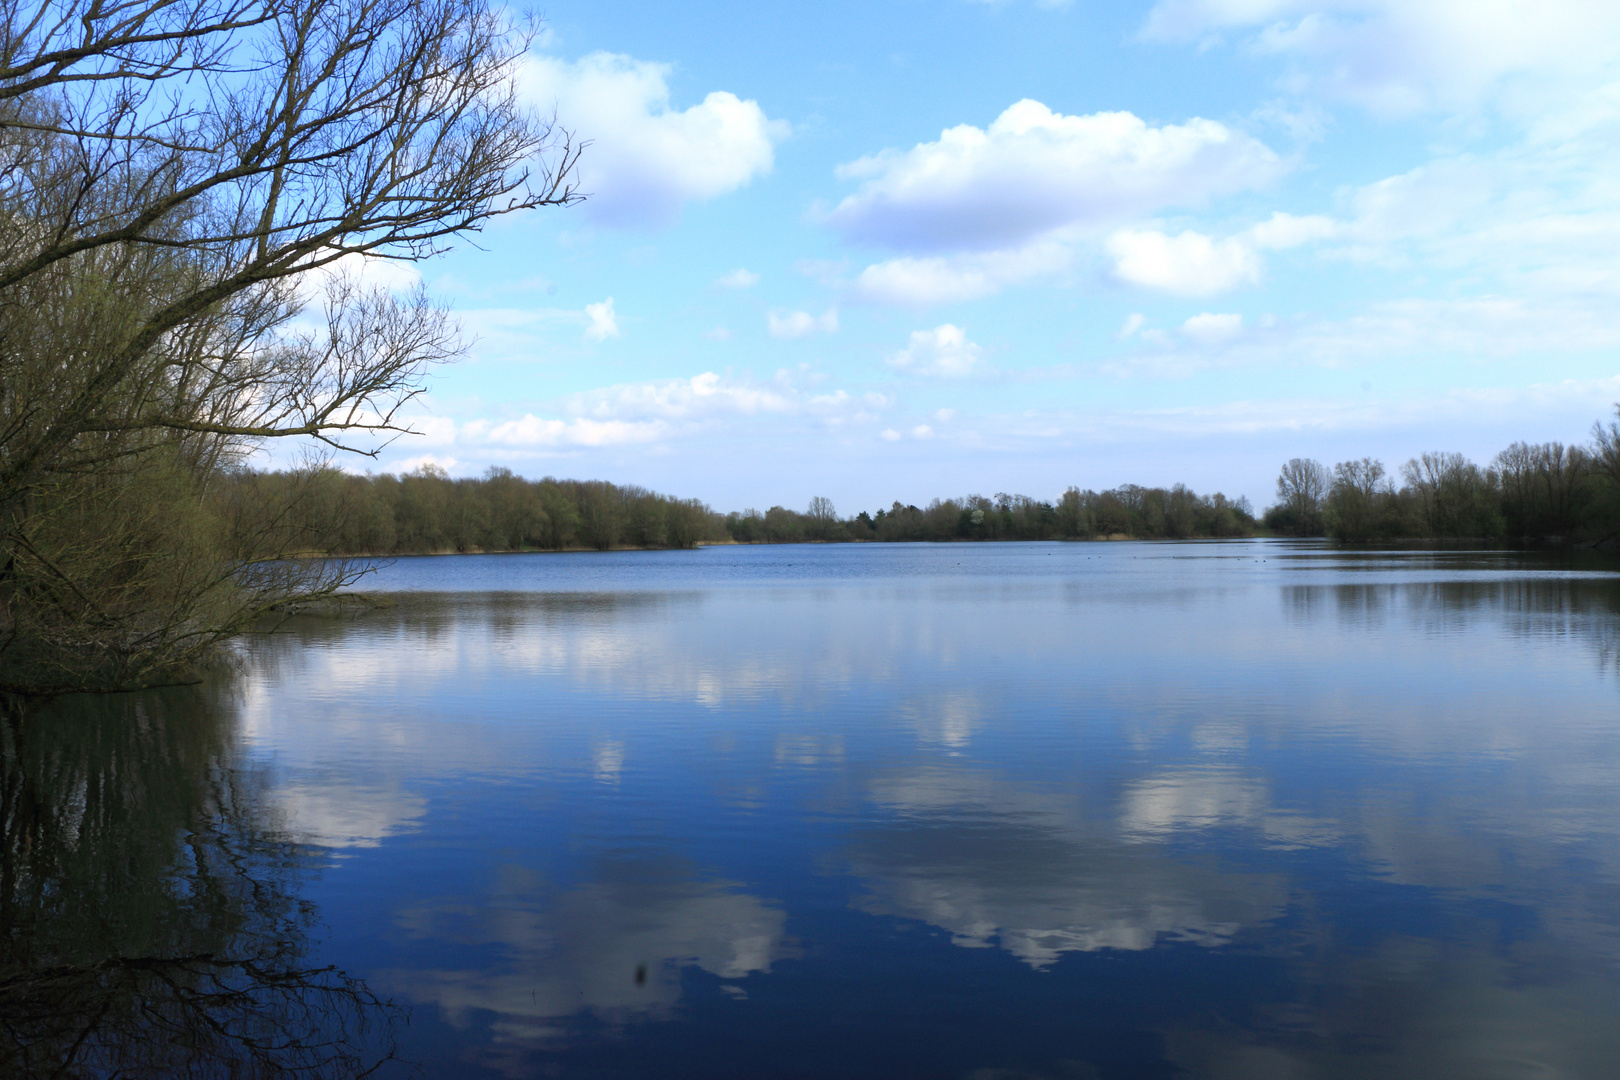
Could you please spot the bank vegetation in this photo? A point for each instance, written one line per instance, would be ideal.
(428, 512)
(1543, 492)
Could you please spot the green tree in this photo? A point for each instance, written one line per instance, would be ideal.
(601, 515)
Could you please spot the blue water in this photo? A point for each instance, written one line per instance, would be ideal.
(1247, 809)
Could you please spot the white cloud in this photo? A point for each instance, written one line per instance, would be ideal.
(943, 352)
(889, 435)
(798, 324)
(1530, 220)
(635, 414)
(1033, 171)
(922, 431)
(1455, 408)
(646, 159)
(1133, 322)
(943, 279)
(432, 430)
(719, 333)
(1430, 332)
(1283, 231)
(649, 411)
(396, 275)
(533, 431)
(411, 464)
(924, 282)
(356, 268)
(1401, 56)
(705, 395)
(1456, 416)
(1208, 329)
(1190, 264)
(739, 278)
(603, 322)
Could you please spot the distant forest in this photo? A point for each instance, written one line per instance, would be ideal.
(427, 511)
(1546, 492)
(1527, 492)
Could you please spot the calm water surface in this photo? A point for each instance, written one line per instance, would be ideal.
(1248, 810)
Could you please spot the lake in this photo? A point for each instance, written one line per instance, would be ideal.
(1247, 809)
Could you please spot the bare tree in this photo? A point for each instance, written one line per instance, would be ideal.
(1357, 499)
(1606, 449)
(1540, 484)
(179, 181)
(822, 517)
(1455, 497)
(1301, 486)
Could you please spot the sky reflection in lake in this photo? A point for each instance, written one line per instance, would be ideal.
(1248, 809)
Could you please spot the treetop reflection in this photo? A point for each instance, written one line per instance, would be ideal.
(152, 918)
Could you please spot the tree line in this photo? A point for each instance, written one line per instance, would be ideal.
(425, 511)
(1128, 511)
(1545, 491)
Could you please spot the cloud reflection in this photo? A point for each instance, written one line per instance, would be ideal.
(997, 865)
(613, 947)
(1157, 807)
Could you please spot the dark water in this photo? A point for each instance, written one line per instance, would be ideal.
(980, 811)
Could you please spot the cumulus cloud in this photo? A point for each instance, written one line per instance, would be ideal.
(603, 322)
(646, 159)
(702, 395)
(533, 431)
(739, 278)
(1401, 56)
(943, 352)
(357, 268)
(944, 279)
(1208, 329)
(1033, 171)
(1283, 231)
(1189, 264)
(798, 324)
(638, 413)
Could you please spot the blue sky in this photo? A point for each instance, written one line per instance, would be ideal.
(909, 248)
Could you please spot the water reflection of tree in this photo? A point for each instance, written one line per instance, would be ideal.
(1585, 611)
(150, 923)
